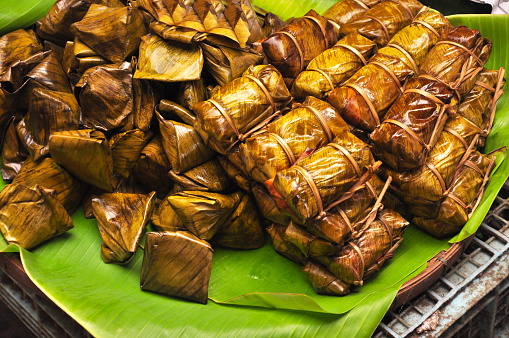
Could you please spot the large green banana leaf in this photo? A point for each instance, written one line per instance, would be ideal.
(255, 293)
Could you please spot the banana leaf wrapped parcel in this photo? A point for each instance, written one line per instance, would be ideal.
(208, 176)
(177, 264)
(333, 67)
(283, 246)
(462, 197)
(292, 48)
(347, 10)
(239, 106)
(365, 98)
(308, 187)
(323, 281)
(12, 153)
(308, 126)
(383, 20)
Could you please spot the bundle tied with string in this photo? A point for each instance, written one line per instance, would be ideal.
(364, 99)
(292, 48)
(241, 107)
(309, 126)
(347, 10)
(323, 179)
(413, 124)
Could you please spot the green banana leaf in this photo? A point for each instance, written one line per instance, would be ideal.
(22, 13)
(254, 293)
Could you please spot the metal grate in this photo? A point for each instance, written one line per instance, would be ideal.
(471, 299)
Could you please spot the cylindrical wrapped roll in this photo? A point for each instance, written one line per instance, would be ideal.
(283, 246)
(292, 48)
(309, 126)
(347, 10)
(381, 22)
(240, 105)
(322, 177)
(323, 281)
(334, 66)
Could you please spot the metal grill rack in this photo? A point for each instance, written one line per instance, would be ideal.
(472, 298)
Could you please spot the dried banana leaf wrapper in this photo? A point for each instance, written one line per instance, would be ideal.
(283, 246)
(126, 148)
(333, 67)
(204, 213)
(383, 20)
(244, 21)
(55, 26)
(112, 32)
(170, 61)
(364, 99)
(346, 10)
(17, 46)
(461, 198)
(208, 176)
(49, 175)
(292, 48)
(368, 249)
(308, 126)
(192, 92)
(164, 218)
(338, 224)
(413, 124)
(74, 150)
(170, 108)
(182, 145)
(267, 206)
(243, 229)
(241, 105)
(177, 264)
(121, 219)
(457, 58)
(235, 174)
(309, 244)
(31, 215)
(13, 152)
(48, 112)
(152, 167)
(324, 282)
(319, 179)
(146, 95)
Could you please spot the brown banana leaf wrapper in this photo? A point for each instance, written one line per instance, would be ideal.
(324, 282)
(170, 108)
(75, 66)
(423, 114)
(369, 248)
(164, 218)
(234, 157)
(267, 206)
(234, 173)
(392, 16)
(112, 32)
(333, 67)
(169, 61)
(152, 168)
(226, 63)
(49, 175)
(183, 145)
(244, 21)
(17, 46)
(319, 179)
(347, 10)
(48, 112)
(308, 126)
(284, 247)
(177, 264)
(380, 82)
(337, 224)
(121, 219)
(57, 50)
(204, 213)
(55, 26)
(146, 95)
(106, 97)
(31, 215)
(457, 57)
(461, 199)
(126, 148)
(86, 154)
(243, 229)
(49, 74)
(208, 176)
(414, 205)
(192, 92)
(310, 245)
(5, 113)
(239, 106)
(13, 152)
(292, 48)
